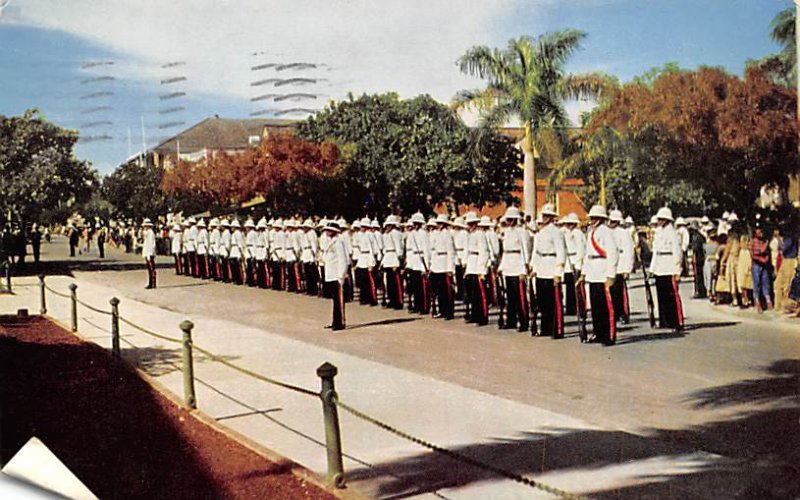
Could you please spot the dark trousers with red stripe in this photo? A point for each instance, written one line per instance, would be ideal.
(370, 287)
(570, 307)
(312, 278)
(191, 260)
(550, 308)
(334, 290)
(460, 282)
(178, 264)
(442, 287)
(604, 325)
(517, 311)
(477, 304)
(261, 273)
(619, 297)
(236, 270)
(202, 264)
(150, 264)
(670, 308)
(394, 288)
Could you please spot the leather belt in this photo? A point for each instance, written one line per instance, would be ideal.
(596, 257)
(513, 251)
(545, 254)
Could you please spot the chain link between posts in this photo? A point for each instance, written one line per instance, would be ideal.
(455, 455)
(92, 308)
(356, 413)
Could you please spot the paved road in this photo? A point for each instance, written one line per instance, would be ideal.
(710, 414)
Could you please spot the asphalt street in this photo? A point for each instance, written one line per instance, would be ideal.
(710, 414)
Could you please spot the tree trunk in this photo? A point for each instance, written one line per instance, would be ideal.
(529, 175)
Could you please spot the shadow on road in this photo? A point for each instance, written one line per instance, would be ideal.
(382, 322)
(760, 451)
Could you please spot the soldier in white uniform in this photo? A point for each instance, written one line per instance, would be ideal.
(277, 249)
(336, 263)
(666, 267)
(366, 258)
(176, 243)
(599, 270)
(213, 245)
(576, 244)
(547, 266)
(262, 277)
(309, 245)
(149, 252)
(513, 270)
(459, 231)
(443, 258)
(237, 253)
(619, 290)
(224, 249)
(202, 249)
(348, 287)
(390, 263)
(492, 240)
(478, 265)
(190, 247)
(417, 266)
(250, 241)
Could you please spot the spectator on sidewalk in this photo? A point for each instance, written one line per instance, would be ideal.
(74, 239)
(710, 248)
(744, 273)
(36, 242)
(786, 271)
(762, 270)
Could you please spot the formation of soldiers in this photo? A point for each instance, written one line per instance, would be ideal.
(535, 274)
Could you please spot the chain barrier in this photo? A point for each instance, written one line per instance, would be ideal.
(356, 413)
(92, 308)
(258, 376)
(57, 294)
(149, 332)
(455, 455)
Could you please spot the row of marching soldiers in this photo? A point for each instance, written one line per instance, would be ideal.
(534, 277)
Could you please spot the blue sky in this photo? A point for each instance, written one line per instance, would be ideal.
(408, 46)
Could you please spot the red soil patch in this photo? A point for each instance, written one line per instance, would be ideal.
(115, 432)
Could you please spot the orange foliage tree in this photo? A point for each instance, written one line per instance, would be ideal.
(291, 174)
(701, 140)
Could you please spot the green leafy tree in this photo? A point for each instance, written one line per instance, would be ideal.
(527, 81)
(133, 189)
(39, 173)
(408, 155)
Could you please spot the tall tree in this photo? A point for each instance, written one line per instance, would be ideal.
(39, 173)
(414, 154)
(133, 190)
(528, 81)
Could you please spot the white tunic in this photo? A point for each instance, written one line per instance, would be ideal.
(148, 243)
(261, 245)
(292, 247)
(237, 245)
(251, 242)
(417, 251)
(576, 246)
(460, 241)
(366, 255)
(213, 247)
(190, 239)
(625, 248)
(549, 253)
(224, 247)
(601, 255)
(516, 254)
(176, 238)
(667, 254)
(443, 252)
(335, 259)
(202, 241)
(392, 249)
(477, 253)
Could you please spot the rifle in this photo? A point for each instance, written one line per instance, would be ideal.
(534, 306)
(580, 302)
(648, 293)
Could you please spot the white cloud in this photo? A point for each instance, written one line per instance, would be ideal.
(409, 46)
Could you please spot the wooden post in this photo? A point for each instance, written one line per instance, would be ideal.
(333, 440)
(188, 365)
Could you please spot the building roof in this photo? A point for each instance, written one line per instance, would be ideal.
(221, 133)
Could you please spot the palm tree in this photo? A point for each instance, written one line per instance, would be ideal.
(782, 67)
(527, 81)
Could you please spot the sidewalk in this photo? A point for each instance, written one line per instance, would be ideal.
(559, 450)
